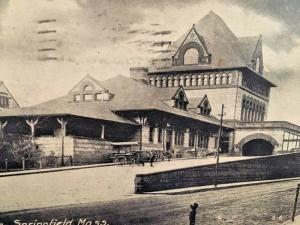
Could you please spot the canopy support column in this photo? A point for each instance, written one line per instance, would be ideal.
(63, 123)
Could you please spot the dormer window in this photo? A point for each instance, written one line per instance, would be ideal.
(181, 101)
(204, 107)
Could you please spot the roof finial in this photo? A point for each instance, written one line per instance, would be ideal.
(193, 25)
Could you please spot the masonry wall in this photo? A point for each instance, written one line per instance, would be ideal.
(277, 134)
(83, 150)
(53, 145)
(263, 168)
(89, 151)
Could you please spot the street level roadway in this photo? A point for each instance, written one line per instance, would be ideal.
(260, 204)
(80, 186)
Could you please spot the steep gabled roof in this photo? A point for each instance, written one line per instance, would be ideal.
(227, 51)
(248, 46)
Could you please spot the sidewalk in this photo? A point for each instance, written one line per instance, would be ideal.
(48, 170)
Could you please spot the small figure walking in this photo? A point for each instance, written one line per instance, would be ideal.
(152, 158)
(193, 213)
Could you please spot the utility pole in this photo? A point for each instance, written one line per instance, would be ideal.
(218, 146)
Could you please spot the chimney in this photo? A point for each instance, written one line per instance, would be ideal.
(139, 73)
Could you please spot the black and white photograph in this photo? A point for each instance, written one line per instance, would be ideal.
(149, 112)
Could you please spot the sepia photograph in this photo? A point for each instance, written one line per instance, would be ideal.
(149, 112)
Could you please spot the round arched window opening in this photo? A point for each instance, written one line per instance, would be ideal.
(87, 88)
(191, 57)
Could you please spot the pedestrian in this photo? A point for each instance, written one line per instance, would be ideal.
(193, 212)
(152, 158)
(169, 156)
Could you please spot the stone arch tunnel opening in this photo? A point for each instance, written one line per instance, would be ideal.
(257, 147)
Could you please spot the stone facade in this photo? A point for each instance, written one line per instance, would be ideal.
(82, 150)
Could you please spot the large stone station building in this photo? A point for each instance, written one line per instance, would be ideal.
(173, 105)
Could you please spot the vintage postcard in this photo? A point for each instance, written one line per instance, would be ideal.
(149, 112)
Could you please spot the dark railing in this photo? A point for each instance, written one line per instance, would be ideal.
(34, 163)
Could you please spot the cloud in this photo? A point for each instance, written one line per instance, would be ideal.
(105, 38)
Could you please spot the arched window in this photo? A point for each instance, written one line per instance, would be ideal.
(191, 57)
(182, 81)
(224, 79)
(87, 88)
(217, 79)
(229, 78)
(170, 81)
(211, 79)
(176, 82)
(152, 81)
(164, 82)
(200, 80)
(187, 81)
(158, 82)
(194, 80)
(205, 80)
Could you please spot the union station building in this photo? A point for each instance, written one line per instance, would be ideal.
(173, 105)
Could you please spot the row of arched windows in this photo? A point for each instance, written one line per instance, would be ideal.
(252, 110)
(191, 80)
(255, 86)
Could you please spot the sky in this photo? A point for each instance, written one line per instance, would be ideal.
(104, 38)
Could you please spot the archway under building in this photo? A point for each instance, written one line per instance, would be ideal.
(258, 144)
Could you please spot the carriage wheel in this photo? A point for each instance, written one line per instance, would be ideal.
(132, 162)
(121, 160)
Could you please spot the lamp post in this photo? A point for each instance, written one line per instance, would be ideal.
(218, 146)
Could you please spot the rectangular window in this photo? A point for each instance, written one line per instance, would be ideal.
(87, 97)
(181, 138)
(151, 134)
(192, 139)
(160, 137)
(76, 98)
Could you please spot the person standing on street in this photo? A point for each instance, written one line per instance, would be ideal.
(152, 158)
(193, 213)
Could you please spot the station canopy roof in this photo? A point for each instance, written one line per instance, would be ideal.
(127, 95)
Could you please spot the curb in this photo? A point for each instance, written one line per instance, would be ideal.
(29, 172)
(220, 187)
(50, 170)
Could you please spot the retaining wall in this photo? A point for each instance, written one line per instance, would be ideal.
(262, 168)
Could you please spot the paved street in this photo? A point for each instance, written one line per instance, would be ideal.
(80, 186)
(264, 204)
